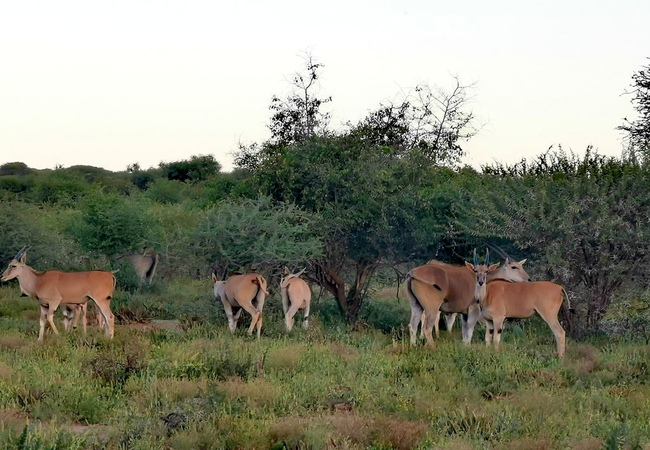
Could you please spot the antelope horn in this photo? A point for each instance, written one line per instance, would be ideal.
(301, 272)
(475, 257)
(21, 253)
(498, 250)
(487, 257)
(501, 252)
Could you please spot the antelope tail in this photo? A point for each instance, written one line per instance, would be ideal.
(568, 302)
(259, 281)
(430, 283)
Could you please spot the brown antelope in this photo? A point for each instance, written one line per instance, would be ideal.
(53, 288)
(500, 299)
(144, 265)
(242, 292)
(437, 286)
(296, 296)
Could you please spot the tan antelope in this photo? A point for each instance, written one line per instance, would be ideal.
(54, 288)
(437, 286)
(242, 292)
(144, 265)
(500, 299)
(296, 296)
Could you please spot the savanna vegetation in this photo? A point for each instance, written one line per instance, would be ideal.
(357, 206)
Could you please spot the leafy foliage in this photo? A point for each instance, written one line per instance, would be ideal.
(197, 168)
(578, 214)
(259, 233)
(111, 225)
(299, 116)
(638, 130)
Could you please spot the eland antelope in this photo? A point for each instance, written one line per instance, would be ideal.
(54, 288)
(439, 287)
(499, 299)
(242, 292)
(144, 265)
(296, 296)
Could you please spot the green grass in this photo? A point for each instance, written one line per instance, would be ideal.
(326, 387)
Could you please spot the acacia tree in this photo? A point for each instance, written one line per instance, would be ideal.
(258, 234)
(366, 181)
(638, 130)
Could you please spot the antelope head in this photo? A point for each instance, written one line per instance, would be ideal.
(512, 270)
(218, 287)
(288, 275)
(482, 270)
(16, 266)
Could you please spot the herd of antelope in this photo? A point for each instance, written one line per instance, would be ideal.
(478, 292)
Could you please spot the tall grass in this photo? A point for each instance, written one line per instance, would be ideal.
(192, 384)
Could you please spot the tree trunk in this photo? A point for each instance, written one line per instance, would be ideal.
(334, 284)
(598, 302)
(349, 303)
(359, 289)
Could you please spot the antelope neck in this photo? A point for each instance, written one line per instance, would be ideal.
(27, 281)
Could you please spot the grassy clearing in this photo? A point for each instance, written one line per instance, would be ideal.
(193, 385)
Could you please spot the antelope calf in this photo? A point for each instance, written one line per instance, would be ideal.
(242, 292)
(54, 288)
(72, 314)
(296, 296)
(500, 299)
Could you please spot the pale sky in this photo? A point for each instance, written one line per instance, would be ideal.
(113, 83)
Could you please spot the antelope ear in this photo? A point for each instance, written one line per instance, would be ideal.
(23, 259)
(286, 270)
(493, 267)
(470, 266)
(214, 278)
(522, 262)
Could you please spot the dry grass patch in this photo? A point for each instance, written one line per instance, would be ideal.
(588, 444)
(6, 372)
(350, 430)
(528, 444)
(535, 402)
(351, 426)
(345, 352)
(257, 392)
(285, 357)
(547, 378)
(288, 429)
(179, 390)
(458, 444)
(586, 358)
(400, 434)
(12, 342)
(10, 418)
